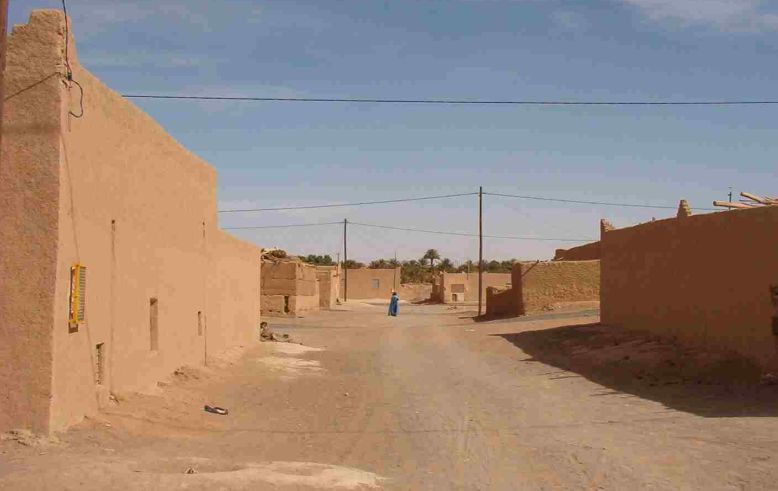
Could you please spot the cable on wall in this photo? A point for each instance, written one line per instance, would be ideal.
(69, 70)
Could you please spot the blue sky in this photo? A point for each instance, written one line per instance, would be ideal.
(276, 154)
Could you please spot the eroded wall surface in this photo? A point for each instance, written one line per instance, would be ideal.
(329, 290)
(503, 302)
(369, 283)
(414, 292)
(586, 252)
(126, 201)
(289, 288)
(538, 284)
(701, 279)
(542, 284)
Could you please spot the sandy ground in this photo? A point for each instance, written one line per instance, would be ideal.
(428, 400)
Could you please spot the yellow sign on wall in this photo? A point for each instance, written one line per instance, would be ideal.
(77, 312)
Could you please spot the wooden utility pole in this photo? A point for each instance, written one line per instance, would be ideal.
(345, 260)
(480, 248)
(3, 43)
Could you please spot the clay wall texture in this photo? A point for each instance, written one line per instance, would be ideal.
(289, 288)
(703, 280)
(361, 283)
(586, 252)
(539, 284)
(413, 292)
(469, 284)
(329, 286)
(114, 192)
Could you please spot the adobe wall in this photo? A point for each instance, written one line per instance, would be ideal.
(29, 181)
(414, 292)
(586, 252)
(703, 280)
(234, 296)
(470, 282)
(542, 284)
(329, 285)
(361, 283)
(502, 302)
(289, 288)
(118, 195)
(538, 284)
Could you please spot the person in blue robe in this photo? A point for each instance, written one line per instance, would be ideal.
(394, 305)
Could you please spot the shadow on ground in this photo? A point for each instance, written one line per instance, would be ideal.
(627, 363)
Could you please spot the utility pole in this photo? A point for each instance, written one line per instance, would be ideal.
(394, 266)
(3, 43)
(480, 248)
(345, 260)
(730, 194)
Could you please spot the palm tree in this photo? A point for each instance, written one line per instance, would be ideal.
(431, 255)
(446, 265)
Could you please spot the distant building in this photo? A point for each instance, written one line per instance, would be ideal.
(463, 287)
(366, 283)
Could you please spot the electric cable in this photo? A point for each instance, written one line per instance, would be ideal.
(469, 102)
(340, 205)
(602, 203)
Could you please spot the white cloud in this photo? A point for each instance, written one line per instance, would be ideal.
(728, 15)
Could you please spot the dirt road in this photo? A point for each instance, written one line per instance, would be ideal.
(427, 400)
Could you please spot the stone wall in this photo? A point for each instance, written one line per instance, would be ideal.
(113, 192)
(703, 280)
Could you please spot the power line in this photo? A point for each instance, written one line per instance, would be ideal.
(422, 198)
(470, 102)
(387, 227)
(603, 203)
(283, 226)
(463, 234)
(340, 205)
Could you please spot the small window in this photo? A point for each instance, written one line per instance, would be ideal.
(100, 364)
(376, 284)
(77, 311)
(154, 323)
(286, 304)
(200, 323)
(458, 288)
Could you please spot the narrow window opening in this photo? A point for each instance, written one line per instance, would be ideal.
(286, 304)
(100, 364)
(200, 323)
(154, 323)
(376, 284)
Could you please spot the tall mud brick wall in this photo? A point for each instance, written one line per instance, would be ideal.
(110, 210)
(703, 280)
